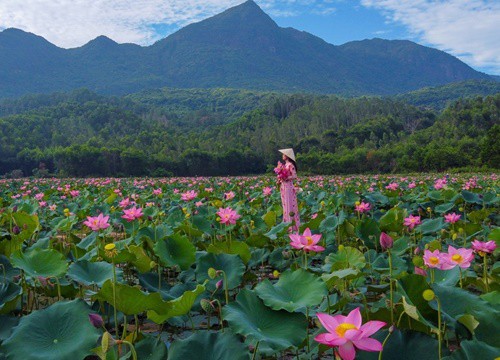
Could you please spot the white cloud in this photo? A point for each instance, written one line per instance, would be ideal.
(468, 29)
(72, 23)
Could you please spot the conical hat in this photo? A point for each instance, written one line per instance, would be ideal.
(288, 152)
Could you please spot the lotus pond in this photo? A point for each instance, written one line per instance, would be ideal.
(383, 267)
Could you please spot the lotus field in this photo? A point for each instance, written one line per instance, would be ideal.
(383, 267)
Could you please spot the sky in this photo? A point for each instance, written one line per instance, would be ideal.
(467, 29)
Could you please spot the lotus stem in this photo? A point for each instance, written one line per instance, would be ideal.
(391, 290)
(114, 297)
(439, 328)
(255, 350)
(383, 344)
(132, 349)
(485, 273)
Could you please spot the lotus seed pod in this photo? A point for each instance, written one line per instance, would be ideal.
(418, 261)
(341, 247)
(212, 273)
(206, 305)
(276, 274)
(428, 295)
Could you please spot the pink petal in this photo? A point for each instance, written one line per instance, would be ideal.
(353, 334)
(330, 339)
(307, 232)
(347, 351)
(371, 327)
(317, 248)
(354, 318)
(329, 322)
(368, 344)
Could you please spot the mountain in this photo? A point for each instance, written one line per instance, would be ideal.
(239, 48)
(439, 97)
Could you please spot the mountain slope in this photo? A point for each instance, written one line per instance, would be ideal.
(239, 48)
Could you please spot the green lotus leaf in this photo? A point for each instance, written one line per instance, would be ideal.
(40, 262)
(176, 307)
(369, 232)
(29, 224)
(7, 271)
(411, 345)
(90, 273)
(430, 226)
(277, 230)
(270, 219)
(8, 293)
(209, 346)
(250, 317)
(141, 260)
(349, 257)
(471, 197)
(129, 300)
(7, 323)
(176, 250)
(474, 349)
(392, 220)
(293, 291)
(236, 247)
(60, 332)
(456, 302)
(232, 265)
(444, 208)
(202, 223)
(151, 348)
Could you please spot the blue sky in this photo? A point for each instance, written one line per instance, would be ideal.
(468, 29)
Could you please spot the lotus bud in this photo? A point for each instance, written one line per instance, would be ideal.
(386, 241)
(16, 230)
(276, 274)
(416, 251)
(96, 320)
(212, 273)
(428, 295)
(219, 284)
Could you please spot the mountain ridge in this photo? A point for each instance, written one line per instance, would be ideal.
(241, 47)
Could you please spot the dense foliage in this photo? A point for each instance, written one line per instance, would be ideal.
(204, 268)
(234, 132)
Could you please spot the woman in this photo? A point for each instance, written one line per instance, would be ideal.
(286, 174)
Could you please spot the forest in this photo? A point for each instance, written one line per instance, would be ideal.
(208, 132)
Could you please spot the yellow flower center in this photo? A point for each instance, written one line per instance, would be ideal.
(309, 240)
(342, 328)
(457, 258)
(110, 247)
(434, 260)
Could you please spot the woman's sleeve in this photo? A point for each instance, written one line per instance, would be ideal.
(293, 172)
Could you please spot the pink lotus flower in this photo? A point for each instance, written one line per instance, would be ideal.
(307, 241)
(74, 193)
(348, 333)
(363, 207)
(97, 223)
(412, 221)
(412, 185)
(457, 257)
(433, 259)
(267, 191)
(52, 207)
(452, 218)
(229, 195)
(392, 186)
(484, 247)
(132, 214)
(189, 195)
(386, 241)
(228, 216)
(124, 203)
(157, 191)
(39, 196)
